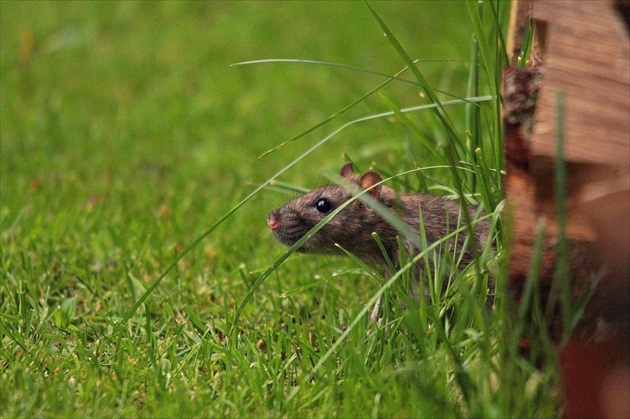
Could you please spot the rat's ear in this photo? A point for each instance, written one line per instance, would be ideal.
(370, 179)
(347, 171)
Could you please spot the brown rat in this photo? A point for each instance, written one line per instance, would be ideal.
(353, 226)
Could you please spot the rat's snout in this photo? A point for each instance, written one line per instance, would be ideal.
(273, 220)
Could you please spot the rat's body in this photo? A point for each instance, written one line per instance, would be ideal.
(352, 227)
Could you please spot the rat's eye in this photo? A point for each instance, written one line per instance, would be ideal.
(323, 205)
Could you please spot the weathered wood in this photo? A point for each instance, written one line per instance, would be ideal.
(581, 51)
(586, 58)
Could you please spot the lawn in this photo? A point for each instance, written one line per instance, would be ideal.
(128, 136)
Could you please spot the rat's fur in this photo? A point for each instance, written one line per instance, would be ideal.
(353, 226)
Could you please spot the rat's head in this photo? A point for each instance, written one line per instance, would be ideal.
(294, 219)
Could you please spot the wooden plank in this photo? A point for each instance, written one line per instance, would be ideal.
(586, 58)
(582, 51)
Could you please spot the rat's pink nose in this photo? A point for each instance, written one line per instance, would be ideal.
(272, 221)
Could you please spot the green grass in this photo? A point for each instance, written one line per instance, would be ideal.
(126, 135)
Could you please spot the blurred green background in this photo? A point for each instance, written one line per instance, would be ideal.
(127, 120)
(126, 133)
(135, 105)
